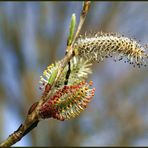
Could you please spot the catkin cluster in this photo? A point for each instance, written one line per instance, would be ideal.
(69, 99)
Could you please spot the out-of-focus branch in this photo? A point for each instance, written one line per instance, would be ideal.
(32, 117)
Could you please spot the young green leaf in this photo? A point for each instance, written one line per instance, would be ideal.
(71, 29)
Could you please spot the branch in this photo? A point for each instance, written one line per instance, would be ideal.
(32, 117)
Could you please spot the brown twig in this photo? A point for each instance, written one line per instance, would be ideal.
(86, 6)
(84, 11)
(32, 117)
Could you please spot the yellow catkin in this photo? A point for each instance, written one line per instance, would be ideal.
(104, 45)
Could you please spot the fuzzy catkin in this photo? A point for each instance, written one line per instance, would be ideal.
(67, 102)
(80, 69)
(104, 45)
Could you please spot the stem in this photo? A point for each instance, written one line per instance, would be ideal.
(86, 6)
(18, 134)
(68, 73)
(32, 118)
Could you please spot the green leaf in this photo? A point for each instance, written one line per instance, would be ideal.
(53, 76)
(71, 29)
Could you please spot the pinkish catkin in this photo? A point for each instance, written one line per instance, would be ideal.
(67, 102)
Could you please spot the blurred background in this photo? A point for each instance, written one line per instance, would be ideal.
(33, 35)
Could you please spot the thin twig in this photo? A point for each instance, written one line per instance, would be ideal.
(32, 117)
(86, 6)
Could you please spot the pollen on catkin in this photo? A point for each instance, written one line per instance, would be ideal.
(104, 45)
(67, 102)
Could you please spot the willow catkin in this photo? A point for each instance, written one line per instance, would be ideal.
(67, 102)
(104, 45)
(80, 69)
